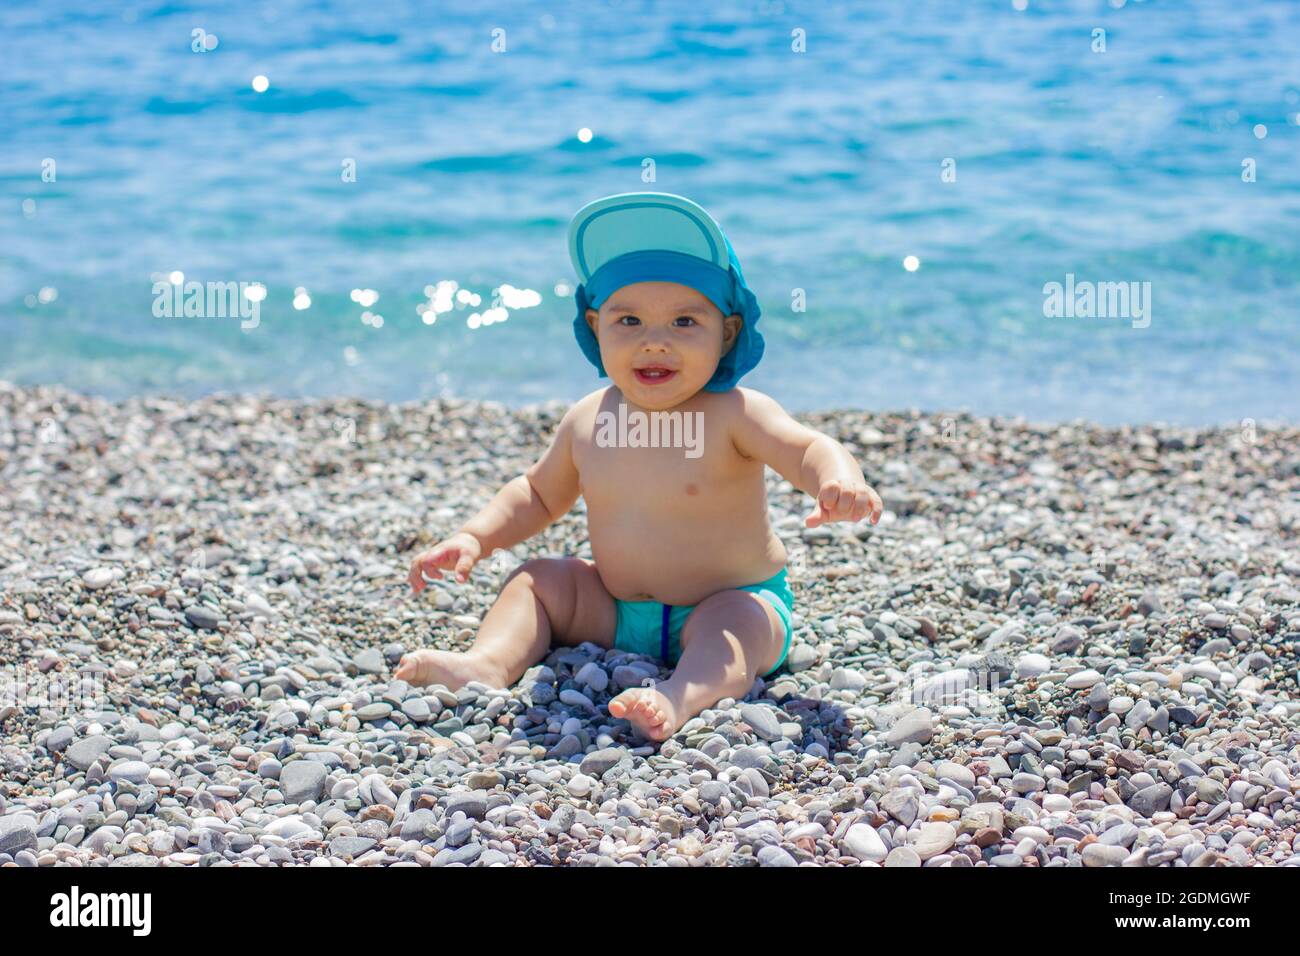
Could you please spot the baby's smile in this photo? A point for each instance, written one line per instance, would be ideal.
(654, 374)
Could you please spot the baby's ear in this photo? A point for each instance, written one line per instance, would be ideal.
(730, 330)
(593, 317)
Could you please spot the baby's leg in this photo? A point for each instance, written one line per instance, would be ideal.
(730, 638)
(544, 601)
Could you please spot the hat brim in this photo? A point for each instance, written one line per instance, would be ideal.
(617, 225)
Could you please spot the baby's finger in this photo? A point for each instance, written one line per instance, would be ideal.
(877, 506)
(431, 561)
(844, 507)
(416, 575)
(829, 494)
(815, 517)
(861, 506)
(463, 566)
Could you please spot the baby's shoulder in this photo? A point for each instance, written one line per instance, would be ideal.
(582, 413)
(591, 403)
(744, 402)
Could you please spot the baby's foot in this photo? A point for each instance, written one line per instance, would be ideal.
(451, 669)
(650, 711)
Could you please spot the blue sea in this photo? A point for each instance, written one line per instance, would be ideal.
(410, 169)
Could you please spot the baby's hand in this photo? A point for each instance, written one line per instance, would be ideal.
(845, 501)
(460, 551)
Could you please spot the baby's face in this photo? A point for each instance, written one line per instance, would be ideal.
(660, 342)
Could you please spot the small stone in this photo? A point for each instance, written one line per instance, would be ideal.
(1122, 834)
(848, 678)
(913, 727)
(593, 676)
(1100, 854)
(302, 780)
(575, 698)
(483, 780)
(1067, 640)
(1151, 799)
(1082, 679)
(369, 661)
(801, 657)
(775, 856)
(133, 771)
(82, 753)
(901, 804)
(1149, 603)
(472, 803)
(903, 856)
(417, 708)
(1027, 782)
(350, 846)
(598, 761)
(1209, 790)
(202, 617)
(288, 827)
(17, 832)
(765, 720)
(97, 578)
(1032, 665)
(712, 791)
(934, 839)
(956, 773)
(862, 841)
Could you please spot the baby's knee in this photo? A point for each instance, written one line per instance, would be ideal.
(737, 611)
(552, 580)
(544, 572)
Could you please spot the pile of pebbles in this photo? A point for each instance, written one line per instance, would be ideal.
(1061, 646)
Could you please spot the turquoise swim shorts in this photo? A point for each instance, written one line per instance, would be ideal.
(652, 628)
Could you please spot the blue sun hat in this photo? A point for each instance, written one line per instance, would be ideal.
(659, 237)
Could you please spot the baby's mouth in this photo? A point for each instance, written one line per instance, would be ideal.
(654, 374)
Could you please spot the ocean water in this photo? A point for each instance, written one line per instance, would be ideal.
(825, 167)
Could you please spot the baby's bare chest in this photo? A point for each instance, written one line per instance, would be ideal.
(679, 462)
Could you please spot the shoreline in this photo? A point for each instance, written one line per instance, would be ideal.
(1276, 424)
(1065, 644)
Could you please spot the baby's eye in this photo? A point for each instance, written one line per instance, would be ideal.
(687, 318)
(629, 320)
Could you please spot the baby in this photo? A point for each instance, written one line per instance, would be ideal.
(670, 460)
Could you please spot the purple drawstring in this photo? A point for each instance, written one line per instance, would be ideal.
(663, 634)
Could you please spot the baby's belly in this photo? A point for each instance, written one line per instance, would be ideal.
(646, 556)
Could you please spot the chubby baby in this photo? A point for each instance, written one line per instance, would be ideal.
(670, 460)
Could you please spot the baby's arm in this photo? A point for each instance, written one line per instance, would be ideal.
(531, 502)
(524, 507)
(811, 461)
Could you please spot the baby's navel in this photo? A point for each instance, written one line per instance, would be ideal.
(692, 490)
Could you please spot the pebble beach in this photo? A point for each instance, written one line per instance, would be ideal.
(1062, 646)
